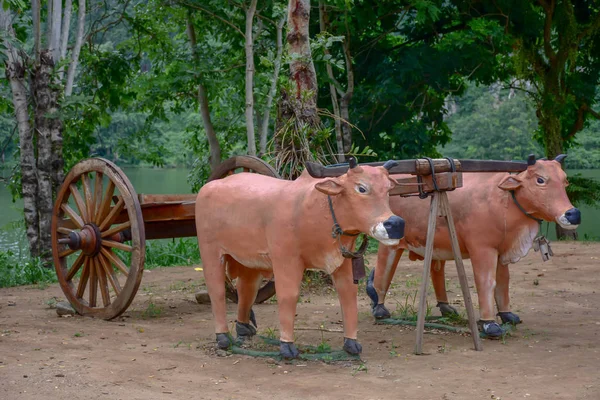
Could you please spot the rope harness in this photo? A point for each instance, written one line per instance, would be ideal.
(358, 261)
(540, 243)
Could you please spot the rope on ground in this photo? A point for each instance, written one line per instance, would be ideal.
(508, 328)
(306, 352)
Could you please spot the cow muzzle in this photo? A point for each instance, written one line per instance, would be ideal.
(570, 219)
(390, 231)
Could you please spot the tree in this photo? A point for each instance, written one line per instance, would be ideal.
(556, 47)
(40, 137)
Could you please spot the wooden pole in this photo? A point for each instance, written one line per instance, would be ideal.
(460, 269)
(433, 213)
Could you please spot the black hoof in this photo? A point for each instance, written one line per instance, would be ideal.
(224, 340)
(371, 292)
(509, 318)
(244, 331)
(491, 329)
(352, 346)
(253, 318)
(381, 312)
(446, 309)
(288, 350)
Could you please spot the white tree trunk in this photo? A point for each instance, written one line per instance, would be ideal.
(54, 39)
(250, 78)
(276, 68)
(66, 25)
(15, 73)
(347, 96)
(37, 35)
(76, 49)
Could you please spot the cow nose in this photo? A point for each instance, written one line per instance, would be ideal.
(573, 216)
(394, 227)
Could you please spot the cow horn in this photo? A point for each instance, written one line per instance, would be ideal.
(352, 162)
(531, 159)
(560, 158)
(390, 164)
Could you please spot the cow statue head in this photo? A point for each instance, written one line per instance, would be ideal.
(540, 190)
(361, 201)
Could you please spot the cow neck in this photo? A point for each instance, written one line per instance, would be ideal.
(514, 197)
(337, 232)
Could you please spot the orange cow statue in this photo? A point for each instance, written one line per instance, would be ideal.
(250, 226)
(497, 216)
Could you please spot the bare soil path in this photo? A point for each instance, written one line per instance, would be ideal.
(163, 347)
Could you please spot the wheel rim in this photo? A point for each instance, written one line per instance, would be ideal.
(232, 166)
(97, 229)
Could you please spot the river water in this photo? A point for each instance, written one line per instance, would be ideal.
(174, 181)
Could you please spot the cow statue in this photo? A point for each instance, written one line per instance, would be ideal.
(497, 217)
(250, 225)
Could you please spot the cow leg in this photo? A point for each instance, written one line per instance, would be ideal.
(248, 282)
(438, 278)
(503, 297)
(380, 279)
(287, 287)
(348, 295)
(214, 276)
(484, 268)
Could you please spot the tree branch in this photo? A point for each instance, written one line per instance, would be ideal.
(549, 11)
(197, 7)
(76, 50)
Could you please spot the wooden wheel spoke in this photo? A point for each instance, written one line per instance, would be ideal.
(73, 215)
(113, 258)
(112, 215)
(98, 184)
(105, 205)
(117, 245)
(63, 230)
(89, 197)
(66, 252)
(102, 281)
(75, 267)
(115, 229)
(84, 278)
(93, 283)
(79, 202)
(110, 274)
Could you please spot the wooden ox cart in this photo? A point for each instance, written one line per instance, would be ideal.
(100, 224)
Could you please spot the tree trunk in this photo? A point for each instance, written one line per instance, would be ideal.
(76, 49)
(49, 160)
(211, 135)
(250, 79)
(15, 73)
(54, 37)
(302, 69)
(277, 66)
(347, 97)
(332, 90)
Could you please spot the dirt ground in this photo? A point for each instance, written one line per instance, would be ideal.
(163, 347)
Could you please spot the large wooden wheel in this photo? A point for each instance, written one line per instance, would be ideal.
(232, 166)
(97, 231)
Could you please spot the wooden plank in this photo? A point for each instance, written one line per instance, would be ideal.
(433, 213)
(170, 229)
(422, 167)
(460, 269)
(157, 212)
(444, 180)
(166, 198)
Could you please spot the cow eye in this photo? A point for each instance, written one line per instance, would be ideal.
(540, 180)
(361, 189)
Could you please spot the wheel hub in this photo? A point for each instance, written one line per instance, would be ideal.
(88, 240)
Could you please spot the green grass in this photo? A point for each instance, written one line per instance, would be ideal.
(19, 269)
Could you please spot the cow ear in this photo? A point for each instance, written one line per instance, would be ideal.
(511, 182)
(330, 187)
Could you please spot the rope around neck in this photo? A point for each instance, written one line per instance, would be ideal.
(337, 232)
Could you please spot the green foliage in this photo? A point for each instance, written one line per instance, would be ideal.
(491, 123)
(19, 269)
(583, 190)
(175, 252)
